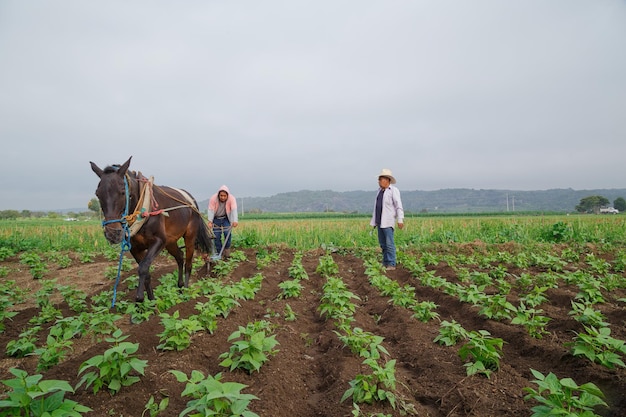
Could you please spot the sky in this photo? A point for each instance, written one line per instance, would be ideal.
(272, 96)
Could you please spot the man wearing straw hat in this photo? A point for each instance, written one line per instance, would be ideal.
(387, 209)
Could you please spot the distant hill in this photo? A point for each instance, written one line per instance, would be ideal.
(456, 200)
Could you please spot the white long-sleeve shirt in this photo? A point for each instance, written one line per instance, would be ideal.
(392, 208)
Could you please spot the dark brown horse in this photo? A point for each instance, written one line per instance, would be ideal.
(147, 218)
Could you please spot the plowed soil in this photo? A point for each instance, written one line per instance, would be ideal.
(312, 369)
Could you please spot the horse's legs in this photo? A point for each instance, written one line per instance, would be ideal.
(144, 260)
(175, 251)
(190, 247)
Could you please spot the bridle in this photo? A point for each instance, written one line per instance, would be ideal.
(125, 244)
(123, 220)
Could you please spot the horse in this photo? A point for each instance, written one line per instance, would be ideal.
(148, 218)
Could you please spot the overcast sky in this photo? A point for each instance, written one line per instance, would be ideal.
(276, 96)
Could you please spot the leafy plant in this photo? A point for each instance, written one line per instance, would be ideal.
(363, 343)
(153, 408)
(373, 387)
(266, 257)
(211, 397)
(290, 289)
(598, 346)
(296, 270)
(496, 307)
(532, 320)
(33, 396)
(74, 297)
(177, 332)
(327, 267)
(423, 311)
(336, 301)
(483, 351)
(5, 313)
(115, 367)
(251, 351)
(289, 314)
(5, 253)
(563, 397)
(54, 351)
(450, 333)
(25, 344)
(585, 313)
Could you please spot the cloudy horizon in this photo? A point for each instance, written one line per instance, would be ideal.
(276, 96)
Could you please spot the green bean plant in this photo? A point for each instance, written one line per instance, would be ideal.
(336, 301)
(482, 352)
(584, 313)
(598, 346)
(290, 289)
(74, 297)
(33, 396)
(265, 257)
(35, 263)
(496, 307)
(117, 367)
(532, 320)
(563, 397)
(424, 311)
(376, 386)
(450, 333)
(289, 314)
(55, 350)
(362, 343)
(5, 312)
(153, 408)
(177, 332)
(211, 397)
(327, 267)
(534, 297)
(25, 344)
(251, 347)
(296, 269)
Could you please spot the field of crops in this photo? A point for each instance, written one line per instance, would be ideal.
(485, 316)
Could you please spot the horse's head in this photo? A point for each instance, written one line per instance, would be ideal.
(111, 193)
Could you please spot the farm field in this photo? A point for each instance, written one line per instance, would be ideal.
(537, 293)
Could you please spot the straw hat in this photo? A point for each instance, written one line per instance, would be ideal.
(387, 173)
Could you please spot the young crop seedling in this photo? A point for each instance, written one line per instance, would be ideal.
(563, 397)
(598, 346)
(31, 395)
(54, 351)
(153, 409)
(532, 320)
(296, 270)
(450, 333)
(289, 314)
(177, 332)
(290, 289)
(483, 351)
(251, 349)
(377, 386)
(327, 267)
(116, 368)
(211, 397)
(362, 343)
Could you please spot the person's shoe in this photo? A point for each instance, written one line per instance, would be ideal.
(390, 268)
(226, 253)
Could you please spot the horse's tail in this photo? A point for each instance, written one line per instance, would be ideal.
(204, 240)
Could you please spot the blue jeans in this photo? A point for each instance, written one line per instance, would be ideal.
(221, 227)
(385, 239)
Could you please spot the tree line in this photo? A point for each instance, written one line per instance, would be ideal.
(594, 203)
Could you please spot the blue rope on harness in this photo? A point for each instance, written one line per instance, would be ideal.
(125, 244)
